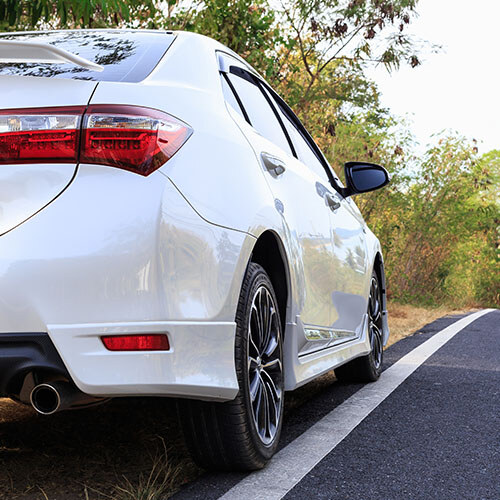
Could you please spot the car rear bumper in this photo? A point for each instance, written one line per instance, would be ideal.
(199, 364)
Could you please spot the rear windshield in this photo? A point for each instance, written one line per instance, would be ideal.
(126, 56)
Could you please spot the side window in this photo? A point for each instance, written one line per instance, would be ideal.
(229, 96)
(260, 114)
(304, 152)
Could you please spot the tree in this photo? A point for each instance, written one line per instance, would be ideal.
(24, 14)
(246, 26)
(346, 34)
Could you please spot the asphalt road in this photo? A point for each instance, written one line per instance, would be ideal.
(436, 436)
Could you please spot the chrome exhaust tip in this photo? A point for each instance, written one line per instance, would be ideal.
(50, 397)
(45, 399)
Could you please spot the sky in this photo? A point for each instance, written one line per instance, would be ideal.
(458, 88)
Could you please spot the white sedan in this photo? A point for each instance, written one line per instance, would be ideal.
(168, 227)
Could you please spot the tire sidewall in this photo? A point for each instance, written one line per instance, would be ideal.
(255, 278)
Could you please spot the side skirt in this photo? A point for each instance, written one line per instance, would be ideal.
(302, 368)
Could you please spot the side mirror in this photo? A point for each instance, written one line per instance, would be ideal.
(363, 177)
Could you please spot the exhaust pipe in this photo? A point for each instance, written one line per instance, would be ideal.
(51, 397)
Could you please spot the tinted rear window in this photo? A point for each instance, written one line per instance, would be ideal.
(126, 56)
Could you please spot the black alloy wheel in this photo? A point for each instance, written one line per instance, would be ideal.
(375, 323)
(265, 367)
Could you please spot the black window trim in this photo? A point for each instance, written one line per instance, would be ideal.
(236, 96)
(256, 79)
(263, 87)
(251, 78)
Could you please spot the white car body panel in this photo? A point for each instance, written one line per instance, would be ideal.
(21, 92)
(26, 189)
(119, 265)
(185, 370)
(118, 253)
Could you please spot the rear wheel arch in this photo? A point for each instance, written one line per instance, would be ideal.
(269, 253)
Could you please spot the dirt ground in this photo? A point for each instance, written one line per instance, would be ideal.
(90, 453)
(125, 449)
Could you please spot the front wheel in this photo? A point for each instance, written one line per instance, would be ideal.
(368, 368)
(243, 434)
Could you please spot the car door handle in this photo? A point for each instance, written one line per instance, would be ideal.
(332, 201)
(321, 190)
(273, 164)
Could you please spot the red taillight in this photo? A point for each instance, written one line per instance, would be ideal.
(132, 138)
(147, 342)
(40, 135)
(128, 137)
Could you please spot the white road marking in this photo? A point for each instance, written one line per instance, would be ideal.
(293, 462)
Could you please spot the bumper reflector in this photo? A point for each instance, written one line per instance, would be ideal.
(148, 342)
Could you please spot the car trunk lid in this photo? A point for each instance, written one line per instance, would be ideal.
(26, 189)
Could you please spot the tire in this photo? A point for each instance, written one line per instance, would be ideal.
(368, 368)
(241, 434)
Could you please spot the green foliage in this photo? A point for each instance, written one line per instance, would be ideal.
(245, 26)
(438, 221)
(335, 37)
(24, 14)
(311, 51)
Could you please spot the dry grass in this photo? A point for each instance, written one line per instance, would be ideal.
(161, 482)
(118, 451)
(405, 319)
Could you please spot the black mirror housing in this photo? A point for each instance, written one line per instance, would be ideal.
(362, 177)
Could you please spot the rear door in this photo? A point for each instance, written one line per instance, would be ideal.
(299, 194)
(330, 228)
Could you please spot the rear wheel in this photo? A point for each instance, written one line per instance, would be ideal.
(244, 433)
(368, 368)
